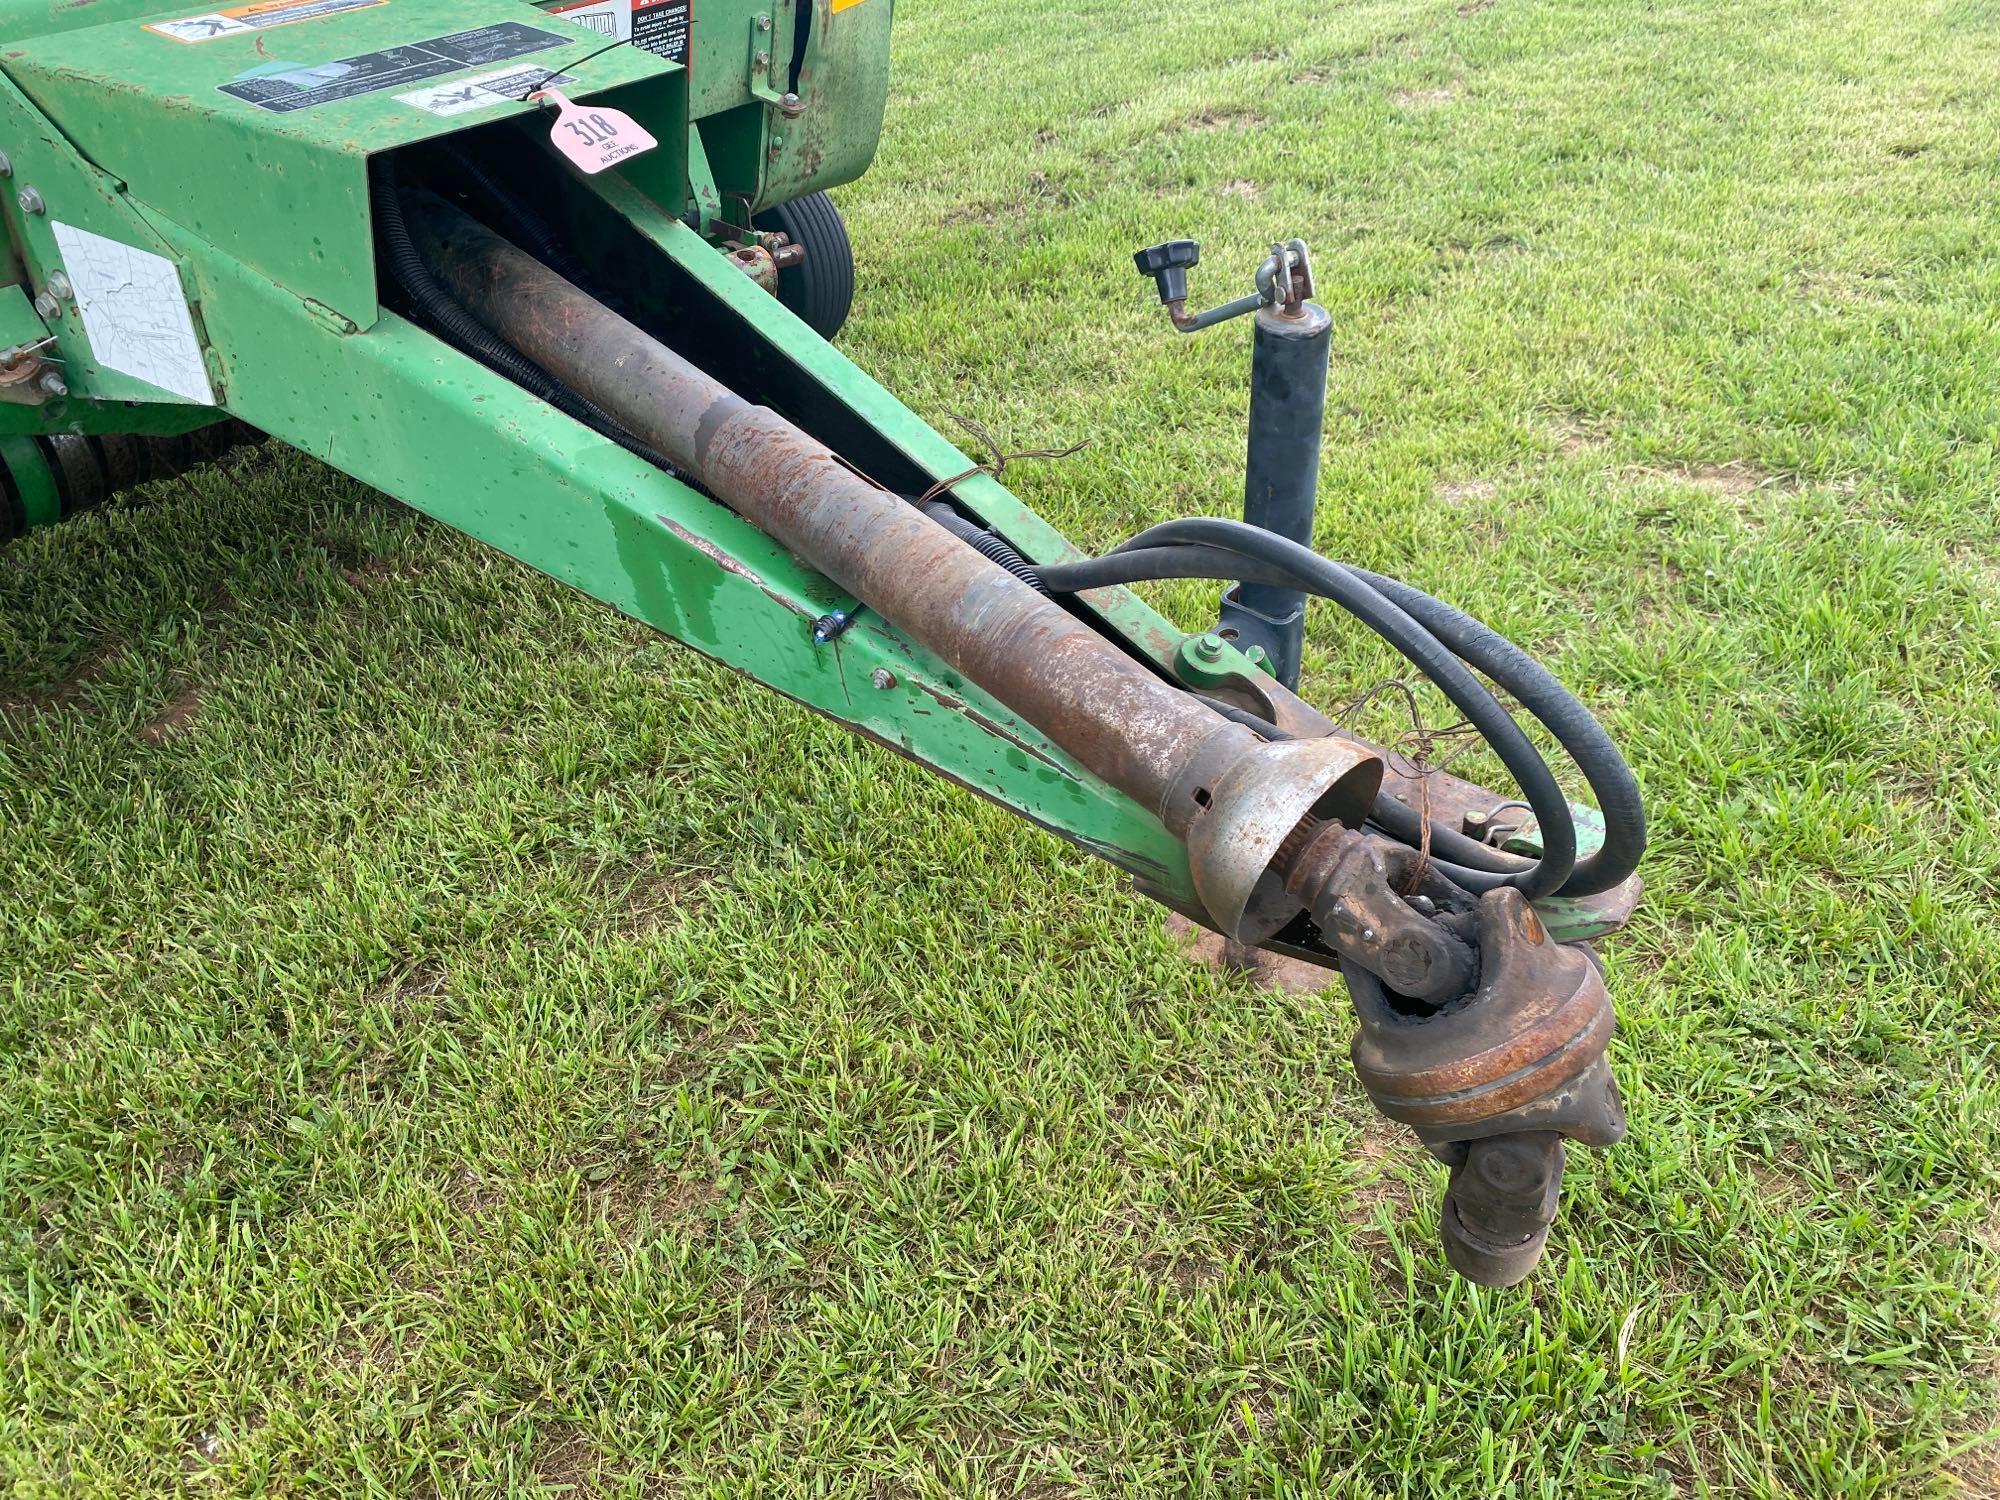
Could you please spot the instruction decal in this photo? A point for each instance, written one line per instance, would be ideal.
(241, 18)
(393, 67)
(509, 85)
(135, 314)
(662, 27)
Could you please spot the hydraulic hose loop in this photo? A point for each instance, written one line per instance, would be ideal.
(1435, 661)
(1230, 550)
(1610, 779)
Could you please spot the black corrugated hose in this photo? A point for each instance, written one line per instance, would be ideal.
(442, 312)
(985, 543)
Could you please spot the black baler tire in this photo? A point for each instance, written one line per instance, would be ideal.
(822, 289)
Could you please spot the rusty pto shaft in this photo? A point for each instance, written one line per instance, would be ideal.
(1482, 1035)
(1141, 734)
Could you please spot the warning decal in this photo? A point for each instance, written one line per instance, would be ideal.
(661, 27)
(610, 19)
(241, 18)
(392, 67)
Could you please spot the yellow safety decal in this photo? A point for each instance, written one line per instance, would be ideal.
(241, 18)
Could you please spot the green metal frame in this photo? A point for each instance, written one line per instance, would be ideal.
(267, 215)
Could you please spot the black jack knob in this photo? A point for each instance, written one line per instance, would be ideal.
(1168, 265)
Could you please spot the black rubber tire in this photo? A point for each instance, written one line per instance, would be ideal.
(822, 290)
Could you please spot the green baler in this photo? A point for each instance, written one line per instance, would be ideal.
(347, 225)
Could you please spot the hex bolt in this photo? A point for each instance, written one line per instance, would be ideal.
(883, 678)
(30, 199)
(791, 106)
(763, 23)
(761, 62)
(52, 384)
(1209, 647)
(46, 306)
(59, 286)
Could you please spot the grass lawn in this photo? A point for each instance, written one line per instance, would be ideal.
(457, 1043)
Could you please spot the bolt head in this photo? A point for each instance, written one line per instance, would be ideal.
(1208, 647)
(763, 23)
(883, 678)
(46, 306)
(6, 165)
(52, 384)
(59, 286)
(761, 61)
(30, 199)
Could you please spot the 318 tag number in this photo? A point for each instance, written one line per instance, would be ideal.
(591, 129)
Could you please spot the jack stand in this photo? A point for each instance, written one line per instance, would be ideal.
(1288, 364)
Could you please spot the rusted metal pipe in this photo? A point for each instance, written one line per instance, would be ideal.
(1509, 1062)
(1144, 736)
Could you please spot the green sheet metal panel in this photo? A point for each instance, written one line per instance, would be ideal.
(283, 187)
(844, 84)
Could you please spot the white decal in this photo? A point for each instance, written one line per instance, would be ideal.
(484, 91)
(134, 312)
(199, 28)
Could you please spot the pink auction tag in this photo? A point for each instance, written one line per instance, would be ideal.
(595, 137)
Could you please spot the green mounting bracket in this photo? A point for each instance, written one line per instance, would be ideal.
(763, 59)
(1207, 660)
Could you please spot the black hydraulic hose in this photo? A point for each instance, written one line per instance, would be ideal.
(437, 306)
(1436, 662)
(1397, 819)
(985, 543)
(1209, 547)
(1583, 739)
(1145, 564)
(1184, 560)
